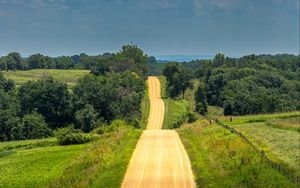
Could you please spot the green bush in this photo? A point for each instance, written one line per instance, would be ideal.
(114, 126)
(69, 135)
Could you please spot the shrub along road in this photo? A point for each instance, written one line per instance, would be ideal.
(159, 159)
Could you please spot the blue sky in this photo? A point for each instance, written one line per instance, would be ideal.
(159, 27)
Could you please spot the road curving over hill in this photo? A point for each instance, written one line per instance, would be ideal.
(159, 159)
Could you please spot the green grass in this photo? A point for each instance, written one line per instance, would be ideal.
(13, 145)
(35, 167)
(292, 123)
(281, 146)
(102, 165)
(70, 77)
(163, 86)
(145, 109)
(258, 118)
(175, 109)
(220, 158)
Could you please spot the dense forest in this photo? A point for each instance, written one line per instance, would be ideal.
(114, 90)
(251, 84)
(248, 85)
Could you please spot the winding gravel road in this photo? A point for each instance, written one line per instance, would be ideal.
(159, 159)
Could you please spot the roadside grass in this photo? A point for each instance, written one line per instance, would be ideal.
(175, 109)
(145, 109)
(35, 167)
(103, 164)
(220, 158)
(292, 123)
(281, 146)
(70, 77)
(163, 86)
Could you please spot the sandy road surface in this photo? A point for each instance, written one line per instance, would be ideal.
(159, 159)
(157, 107)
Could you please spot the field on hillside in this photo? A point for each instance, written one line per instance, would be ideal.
(33, 163)
(220, 158)
(279, 138)
(42, 163)
(69, 77)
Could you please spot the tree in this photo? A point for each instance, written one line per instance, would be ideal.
(178, 79)
(34, 126)
(131, 53)
(219, 60)
(48, 97)
(115, 95)
(200, 100)
(8, 121)
(86, 118)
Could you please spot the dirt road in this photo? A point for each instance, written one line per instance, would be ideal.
(159, 159)
(157, 107)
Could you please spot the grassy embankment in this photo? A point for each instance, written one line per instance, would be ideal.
(175, 110)
(35, 163)
(220, 158)
(69, 77)
(145, 109)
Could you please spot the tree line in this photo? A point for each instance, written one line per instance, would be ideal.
(248, 85)
(252, 84)
(13, 61)
(37, 108)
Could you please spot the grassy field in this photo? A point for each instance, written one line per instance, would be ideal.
(104, 163)
(258, 118)
(69, 77)
(33, 163)
(220, 158)
(25, 144)
(292, 123)
(42, 163)
(281, 146)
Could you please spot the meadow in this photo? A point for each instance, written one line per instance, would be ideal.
(33, 163)
(43, 163)
(69, 77)
(220, 158)
(279, 144)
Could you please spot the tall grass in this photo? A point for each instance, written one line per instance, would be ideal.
(220, 158)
